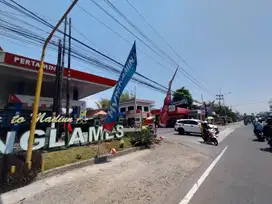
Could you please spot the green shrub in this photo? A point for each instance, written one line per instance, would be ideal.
(144, 138)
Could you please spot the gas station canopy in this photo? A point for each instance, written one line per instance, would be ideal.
(19, 71)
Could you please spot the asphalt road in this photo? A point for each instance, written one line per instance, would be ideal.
(242, 175)
(193, 141)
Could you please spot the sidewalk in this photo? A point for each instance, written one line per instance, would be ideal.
(146, 176)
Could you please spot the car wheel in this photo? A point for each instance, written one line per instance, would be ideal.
(181, 131)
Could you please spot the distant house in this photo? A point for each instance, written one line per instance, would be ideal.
(135, 111)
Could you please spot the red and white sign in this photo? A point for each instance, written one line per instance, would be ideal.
(28, 63)
(32, 64)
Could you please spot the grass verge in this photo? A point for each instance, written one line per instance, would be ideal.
(71, 155)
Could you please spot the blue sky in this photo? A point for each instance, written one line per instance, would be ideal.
(227, 43)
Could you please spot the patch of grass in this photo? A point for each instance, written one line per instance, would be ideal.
(68, 156)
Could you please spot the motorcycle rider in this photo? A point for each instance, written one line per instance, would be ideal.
(267, 130)
(205, 131)
(258, 126)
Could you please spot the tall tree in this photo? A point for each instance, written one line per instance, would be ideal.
(225, 111)
(183, 94)
(126, 96)
(103, 103)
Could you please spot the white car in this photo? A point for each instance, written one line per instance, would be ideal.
(187, 126)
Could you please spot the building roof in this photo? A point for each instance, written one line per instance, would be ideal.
(138, 100)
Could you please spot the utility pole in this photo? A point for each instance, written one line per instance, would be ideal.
(68, 81)
(57, 98)
(57, 81)
(205, 107)
(62, 63)
(220, 97)
(135, 106)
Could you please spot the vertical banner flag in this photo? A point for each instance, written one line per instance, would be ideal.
(126, 74)
(167, 101)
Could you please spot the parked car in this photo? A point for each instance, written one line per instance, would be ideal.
(187, 126)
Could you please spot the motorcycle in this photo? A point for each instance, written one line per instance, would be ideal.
(212, 137)
(259, 135)
(269, 142)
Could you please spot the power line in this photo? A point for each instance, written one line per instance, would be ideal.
(171, 47)
(36, 17)
(119, 35)
(141, 33)
(252, 103)
(38, 39)
(191, 78)
(39, 19)
(122, 25)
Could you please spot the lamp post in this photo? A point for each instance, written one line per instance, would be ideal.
(39, 86)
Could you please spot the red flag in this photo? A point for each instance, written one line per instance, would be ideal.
(167, 101)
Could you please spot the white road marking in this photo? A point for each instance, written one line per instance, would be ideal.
(195, 187)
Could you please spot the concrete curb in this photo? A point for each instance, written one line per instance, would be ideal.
(81, 164)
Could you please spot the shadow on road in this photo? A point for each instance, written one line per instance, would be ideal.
(267, 149)
(256, 140)
(202, 142)
(165, 132)
(188, 135)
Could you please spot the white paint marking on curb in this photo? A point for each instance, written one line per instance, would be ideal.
(195, 187)
(225, 133)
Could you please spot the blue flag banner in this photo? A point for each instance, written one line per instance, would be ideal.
(126, 74)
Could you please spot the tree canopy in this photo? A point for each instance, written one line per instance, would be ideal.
(126, 96)
(103, 103)
(225, 111)
(182, 94)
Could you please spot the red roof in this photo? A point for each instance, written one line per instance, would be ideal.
(179, 111)
(155, 112)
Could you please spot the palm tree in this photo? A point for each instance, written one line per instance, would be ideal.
(103, 103)
(126, 96)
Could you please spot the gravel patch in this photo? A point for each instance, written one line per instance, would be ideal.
(146, 176)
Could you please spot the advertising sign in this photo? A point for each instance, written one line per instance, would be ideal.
(43, 140)
(172, 108)
(126, 74)
(167, 101)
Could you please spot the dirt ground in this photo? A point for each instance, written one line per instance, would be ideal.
(146, 176)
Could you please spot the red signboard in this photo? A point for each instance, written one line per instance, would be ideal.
(32, 64)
